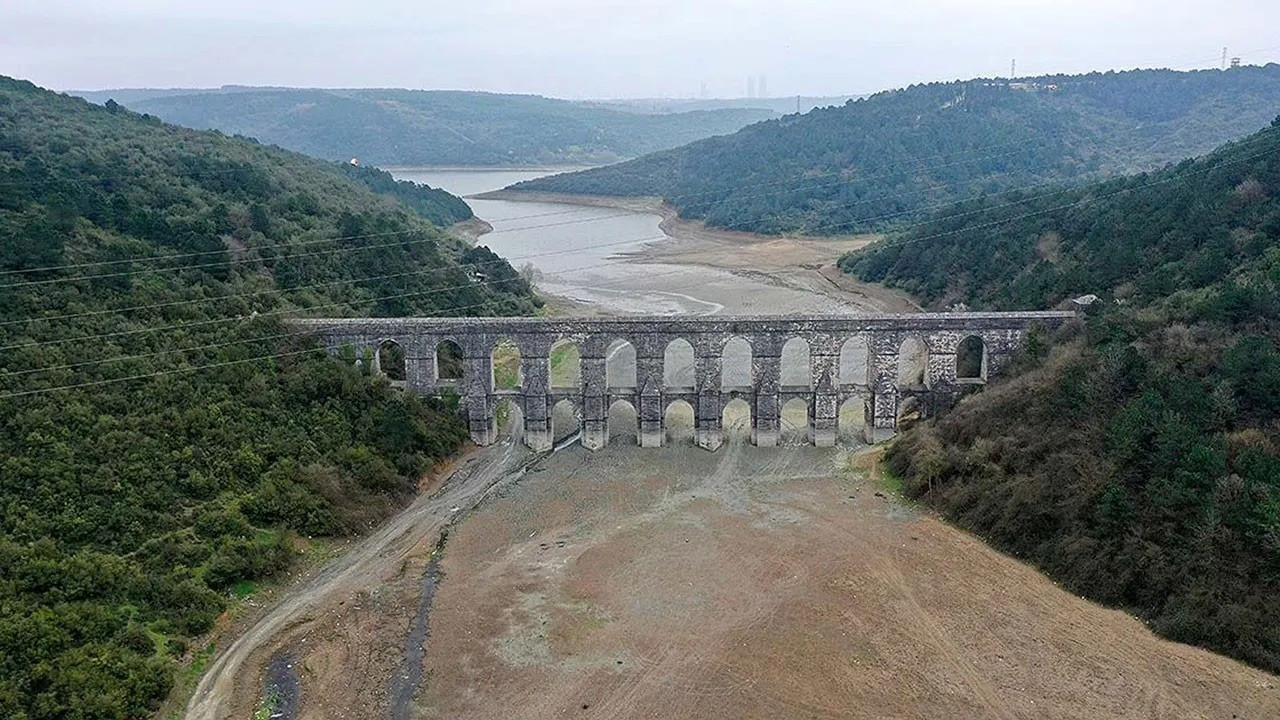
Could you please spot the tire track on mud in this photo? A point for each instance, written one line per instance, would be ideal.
(623, 699)
(947, 650)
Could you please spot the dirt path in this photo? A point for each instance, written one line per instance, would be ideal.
(754, 583)
(230, 689)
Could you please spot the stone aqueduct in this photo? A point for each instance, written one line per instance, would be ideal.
(879, 380)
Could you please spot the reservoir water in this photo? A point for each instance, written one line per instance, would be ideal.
(579, 252)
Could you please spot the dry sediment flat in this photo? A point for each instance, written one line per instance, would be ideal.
(756, 583)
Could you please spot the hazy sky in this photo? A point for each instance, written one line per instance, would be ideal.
(612, 48)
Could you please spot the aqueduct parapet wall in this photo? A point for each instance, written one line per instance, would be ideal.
(884, 335)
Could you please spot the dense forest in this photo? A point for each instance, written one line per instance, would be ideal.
(894, 156)
(416, 127)
(1136, 455)
(166, 439)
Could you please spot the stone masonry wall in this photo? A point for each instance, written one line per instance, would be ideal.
(884, 335)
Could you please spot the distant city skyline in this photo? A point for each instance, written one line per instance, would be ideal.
(579, 49)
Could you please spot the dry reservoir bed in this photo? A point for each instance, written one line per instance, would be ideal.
(757, 583)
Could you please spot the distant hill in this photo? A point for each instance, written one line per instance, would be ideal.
(167, 441)
(1134, 457)
(876, 162)
(414, 127)
(779, 105)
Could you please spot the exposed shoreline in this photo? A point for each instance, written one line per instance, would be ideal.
(554, 169)
(805, 263)
(470, 230)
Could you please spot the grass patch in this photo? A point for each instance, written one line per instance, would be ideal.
(503, 416)
(506, 366)
(185, 681)
(869, 465)
(244, 589)
(887, 480)
(566, 364)
(270, 704)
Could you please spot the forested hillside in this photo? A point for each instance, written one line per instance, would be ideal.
(894, 156)
(1136, 457)
(166, 440)
(414, 127)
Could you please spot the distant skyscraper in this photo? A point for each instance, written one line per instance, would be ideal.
(751, 87)
(702, 92)
(763, 87)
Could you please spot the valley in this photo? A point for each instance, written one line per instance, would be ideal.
(510, 360)
(386, 126)
(742, 583)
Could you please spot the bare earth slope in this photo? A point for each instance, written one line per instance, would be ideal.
(753, 583)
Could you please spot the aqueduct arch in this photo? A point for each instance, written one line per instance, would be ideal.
(624, 359)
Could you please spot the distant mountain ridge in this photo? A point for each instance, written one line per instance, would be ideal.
(780, 105)
(431, 127)
(891, 157)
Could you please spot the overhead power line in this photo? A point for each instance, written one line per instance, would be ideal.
(930, 221)
(298, 333)
(1078, 203)
(914, 162)
(301, 243)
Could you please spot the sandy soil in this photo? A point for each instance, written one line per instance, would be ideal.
(751, 583)
(805, 264)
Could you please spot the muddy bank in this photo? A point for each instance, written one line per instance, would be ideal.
(802, 264)
(471, 230)
(281, 687)
(404, 685)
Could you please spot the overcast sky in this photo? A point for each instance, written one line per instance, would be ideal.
(613, 48)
